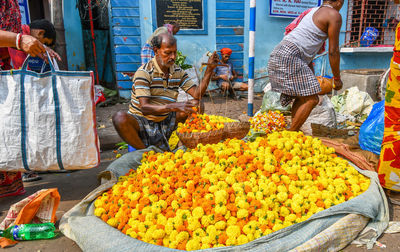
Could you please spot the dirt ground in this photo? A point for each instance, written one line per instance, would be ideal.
(74, 186)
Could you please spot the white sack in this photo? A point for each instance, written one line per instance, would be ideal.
(323, 114)
(46, 123)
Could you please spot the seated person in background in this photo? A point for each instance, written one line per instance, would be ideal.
(44, 31)
(153, 111)
(225, 75)
(147, 53)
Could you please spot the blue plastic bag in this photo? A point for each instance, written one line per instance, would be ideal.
(371, 131)
(130, 148)
(369, 36)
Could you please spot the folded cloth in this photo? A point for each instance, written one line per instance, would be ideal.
(350, 149)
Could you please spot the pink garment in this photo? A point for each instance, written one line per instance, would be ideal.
(296, 22)
(169, 27)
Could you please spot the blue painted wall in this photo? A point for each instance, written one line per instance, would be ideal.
(125, 32)
(132, 24)
(73, 37)
(230, 30)
(270, 30)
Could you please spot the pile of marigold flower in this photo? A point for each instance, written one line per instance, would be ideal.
(203, 123)
(228, 193)
(268, 122)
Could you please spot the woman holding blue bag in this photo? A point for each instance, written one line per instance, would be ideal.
(11, 36)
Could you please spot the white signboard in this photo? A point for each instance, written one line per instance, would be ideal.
(291, 8)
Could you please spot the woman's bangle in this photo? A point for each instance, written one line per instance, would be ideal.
(336, 78)
(18, 41)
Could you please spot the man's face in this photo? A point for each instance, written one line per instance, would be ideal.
(39, 34)
(166, 55)
(225, 57)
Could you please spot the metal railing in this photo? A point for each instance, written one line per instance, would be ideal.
(380, 14)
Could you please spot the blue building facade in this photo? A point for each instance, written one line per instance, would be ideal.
(132, 22)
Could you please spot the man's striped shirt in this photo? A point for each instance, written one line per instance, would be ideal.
(149, 81)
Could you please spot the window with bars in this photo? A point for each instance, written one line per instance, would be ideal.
(382, 15)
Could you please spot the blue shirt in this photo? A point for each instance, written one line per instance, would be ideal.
(221, 70)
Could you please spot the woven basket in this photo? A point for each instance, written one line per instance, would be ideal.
(236, 129)
(191, 140)
(319, 130)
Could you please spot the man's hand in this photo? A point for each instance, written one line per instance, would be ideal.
(224, 77)
(214, 59)
(32, 46)
(185, 107)
(337, 84)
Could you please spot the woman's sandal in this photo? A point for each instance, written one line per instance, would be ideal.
(30, 176)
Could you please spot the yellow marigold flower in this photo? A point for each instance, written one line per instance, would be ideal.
(131, 233)
(207, 239)
(242, 239)
(277, 227)
(158, 234)
(193, 244)
(198, 212)
(205, 245)
(231, 241)
(99, 211)
(199, 233)
(182, 236)
(364, 186)
(193, 224)
(282, 196)
(242, 213)
(112, 222)
(98, 202)
(220, 225)
(243, 204)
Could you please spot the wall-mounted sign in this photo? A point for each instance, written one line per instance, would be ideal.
(291, 8)
(190, 14)
(24, 8)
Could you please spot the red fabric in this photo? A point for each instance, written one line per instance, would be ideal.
(18, 57)
(10, 20)
(226, 51)
(296, 22)
(11, 184)
(10, 16)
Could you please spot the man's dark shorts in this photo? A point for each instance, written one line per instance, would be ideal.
(156, 133)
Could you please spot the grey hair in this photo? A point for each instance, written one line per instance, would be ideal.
(163, 37)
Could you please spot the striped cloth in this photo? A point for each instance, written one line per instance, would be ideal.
(149, 82)
(11, 184)
(156, 133)
(146, 54)
(290, 74)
